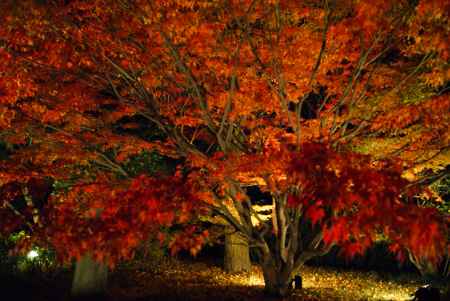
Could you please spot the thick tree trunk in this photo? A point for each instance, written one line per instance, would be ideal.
(277, 283)
(237, 256)
(90, 278)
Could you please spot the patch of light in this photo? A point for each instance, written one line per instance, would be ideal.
(263, 212)
(255, 280)
(32, 254)
(393, 296)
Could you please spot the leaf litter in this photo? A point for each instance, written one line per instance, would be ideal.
(175, 279)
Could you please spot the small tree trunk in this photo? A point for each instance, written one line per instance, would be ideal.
(425, 268)
(90, 278)
(237, 256)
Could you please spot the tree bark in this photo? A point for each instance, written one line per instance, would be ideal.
(276, 283)
(425, 268)
(237, 255)
(90, 278)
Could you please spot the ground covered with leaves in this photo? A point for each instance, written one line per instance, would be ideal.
(201, 280)
(182, 280)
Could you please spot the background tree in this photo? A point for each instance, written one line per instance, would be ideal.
(281, 94)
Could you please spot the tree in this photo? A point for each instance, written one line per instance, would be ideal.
(310, 100)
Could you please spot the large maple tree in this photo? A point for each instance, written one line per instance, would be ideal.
(334, 107)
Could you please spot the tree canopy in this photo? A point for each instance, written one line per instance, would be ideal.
(334, 107)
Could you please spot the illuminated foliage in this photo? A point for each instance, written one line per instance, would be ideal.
(281, 94)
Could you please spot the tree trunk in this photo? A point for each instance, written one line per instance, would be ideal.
(277, 283)
(90, 278)
(425, 267)
(237, 256)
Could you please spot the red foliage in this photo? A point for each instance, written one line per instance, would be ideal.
(357, 202)
(112, 223)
